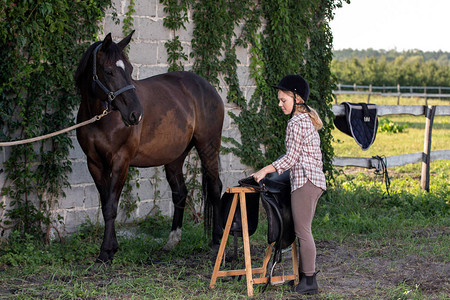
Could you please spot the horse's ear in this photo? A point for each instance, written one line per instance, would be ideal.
(123, 43)
(106, 42)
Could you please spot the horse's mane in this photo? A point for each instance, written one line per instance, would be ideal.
(113, 54)
(84, 62)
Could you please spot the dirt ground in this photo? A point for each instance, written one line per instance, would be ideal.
(347, 271)
(358, 272)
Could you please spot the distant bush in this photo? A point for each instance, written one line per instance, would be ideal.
(441, 57)
(386, 125)
(381, 70)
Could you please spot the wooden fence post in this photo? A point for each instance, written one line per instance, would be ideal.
(335, 96)
(398, 90)
(370, 92)
(425, 178)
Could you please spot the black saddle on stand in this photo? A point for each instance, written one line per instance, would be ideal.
(275, 194)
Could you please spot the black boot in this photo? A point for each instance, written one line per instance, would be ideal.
(308, 285)
(291, 283)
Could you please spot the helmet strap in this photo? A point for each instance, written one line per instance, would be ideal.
(295, 104)
(306, 106)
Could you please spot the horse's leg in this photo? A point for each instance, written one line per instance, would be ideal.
(174, 175)
(209, 156)
(109, 181)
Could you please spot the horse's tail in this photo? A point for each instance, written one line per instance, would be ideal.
(213, 186)
(207, 205)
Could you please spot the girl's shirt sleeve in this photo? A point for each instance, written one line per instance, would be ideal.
(294, 139)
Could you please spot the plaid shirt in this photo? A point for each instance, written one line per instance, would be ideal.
(303, 156)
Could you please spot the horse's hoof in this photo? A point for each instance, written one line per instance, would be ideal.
(215, 248)
(101, 261)
(173, 240)
(214, 251)
(104, 258)
(167, 248)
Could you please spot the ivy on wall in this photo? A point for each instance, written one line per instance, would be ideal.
(127, 23)
(41, 43)
(295, 38)
(177, 15)
(318, 57)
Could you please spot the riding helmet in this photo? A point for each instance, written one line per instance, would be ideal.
(296, 84)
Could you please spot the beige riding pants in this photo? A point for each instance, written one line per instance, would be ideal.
(304, 202)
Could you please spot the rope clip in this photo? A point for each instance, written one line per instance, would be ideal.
(104, 113)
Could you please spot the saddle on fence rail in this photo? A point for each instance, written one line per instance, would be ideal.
(275, 193)
(360, 122)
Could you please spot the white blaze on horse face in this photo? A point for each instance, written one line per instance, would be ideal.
(120, 64)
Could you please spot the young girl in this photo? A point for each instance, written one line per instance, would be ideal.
(304, 160)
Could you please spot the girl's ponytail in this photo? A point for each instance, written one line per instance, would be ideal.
(317, 122)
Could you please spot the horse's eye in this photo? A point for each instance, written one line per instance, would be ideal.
(109, 73)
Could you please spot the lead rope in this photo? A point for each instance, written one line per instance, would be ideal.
(381, 170)
(35, 139)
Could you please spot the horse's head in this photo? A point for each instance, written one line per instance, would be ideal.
(108, 74)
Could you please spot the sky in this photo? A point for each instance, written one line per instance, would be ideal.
(392, 24)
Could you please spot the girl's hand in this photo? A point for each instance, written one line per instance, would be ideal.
(263, 172)
(259, 175)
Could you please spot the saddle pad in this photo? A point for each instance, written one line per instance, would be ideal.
(360, 122)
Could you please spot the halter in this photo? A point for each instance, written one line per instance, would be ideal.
(111, 95)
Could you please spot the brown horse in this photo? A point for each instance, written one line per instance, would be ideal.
(152, 122)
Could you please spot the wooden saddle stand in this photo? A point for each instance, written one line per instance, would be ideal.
(239, 196)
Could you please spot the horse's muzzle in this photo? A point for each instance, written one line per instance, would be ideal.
(133, 119)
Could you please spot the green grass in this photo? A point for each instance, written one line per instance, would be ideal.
(359, 204)
(358, 217)
(370, 245)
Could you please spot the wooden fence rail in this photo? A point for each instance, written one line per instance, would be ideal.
(391, 161)
(398, 91)
(426, 157)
